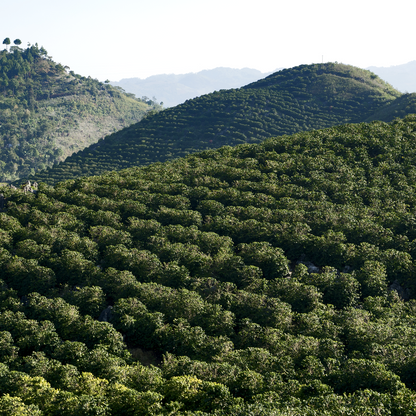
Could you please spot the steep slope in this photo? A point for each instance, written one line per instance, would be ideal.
(302, 98)
(174, 89)
(271, 279)
(46, 113)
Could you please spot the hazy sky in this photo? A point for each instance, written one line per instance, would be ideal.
(137, 38)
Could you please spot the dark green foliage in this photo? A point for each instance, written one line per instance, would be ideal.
(358, 374)
(272, 261)
(28, 276)
(293, 100)
(405, 104)
(271, 279)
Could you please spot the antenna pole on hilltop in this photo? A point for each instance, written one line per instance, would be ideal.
(322, 59)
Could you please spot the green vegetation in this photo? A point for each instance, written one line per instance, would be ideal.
(298, 99)
(271, 279)
(399, 108)
(46, 113)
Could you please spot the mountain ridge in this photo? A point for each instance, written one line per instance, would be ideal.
(174, 89)
(47, 111)
(401, 76)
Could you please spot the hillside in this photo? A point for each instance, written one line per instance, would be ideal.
(48, 113)
(174, 89)
(405, 104)
(298, 99)
(266, 279)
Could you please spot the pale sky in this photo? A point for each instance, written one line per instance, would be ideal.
(119, 39)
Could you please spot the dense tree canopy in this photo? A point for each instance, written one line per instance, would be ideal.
(272, 279)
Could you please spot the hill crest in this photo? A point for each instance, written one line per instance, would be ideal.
(174, 89)
(303, 98)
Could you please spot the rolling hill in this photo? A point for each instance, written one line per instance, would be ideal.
(265, 279)
(405, 104)
(173, 89)
(297, 99)
(48, 112)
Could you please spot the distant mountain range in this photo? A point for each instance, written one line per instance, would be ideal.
(402, 77)
(298, 99)
(174, 89)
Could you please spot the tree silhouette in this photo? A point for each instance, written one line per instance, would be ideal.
(6, 42)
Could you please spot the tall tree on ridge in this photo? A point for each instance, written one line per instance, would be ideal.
(6, 42)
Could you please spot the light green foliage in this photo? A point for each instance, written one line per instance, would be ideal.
(15, 406)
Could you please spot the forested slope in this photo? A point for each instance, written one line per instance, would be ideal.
(48, 113)
(297, 99)
(405, 104)
(271, 279)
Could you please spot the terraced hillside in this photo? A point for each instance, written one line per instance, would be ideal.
(298, 99)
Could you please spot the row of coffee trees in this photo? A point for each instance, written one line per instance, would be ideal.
(263, 279)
